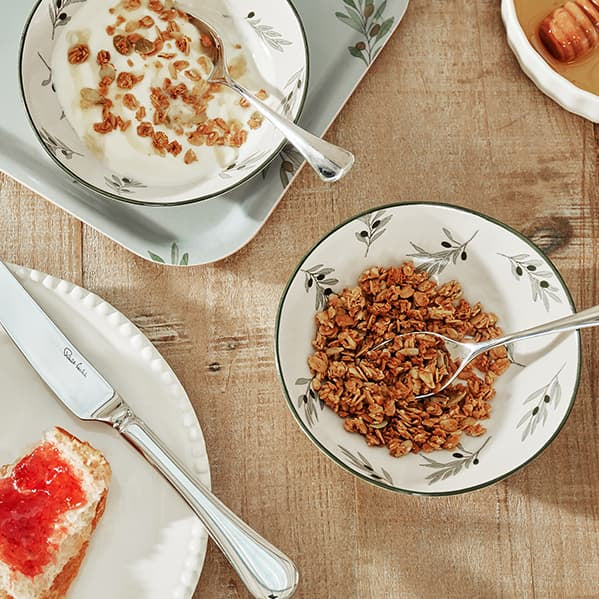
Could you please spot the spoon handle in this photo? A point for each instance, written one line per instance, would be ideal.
(329, 161)
(581, 320)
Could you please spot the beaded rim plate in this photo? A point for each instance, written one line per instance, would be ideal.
(148, 540)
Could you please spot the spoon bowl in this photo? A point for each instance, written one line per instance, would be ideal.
(330, 162)
(463, 352)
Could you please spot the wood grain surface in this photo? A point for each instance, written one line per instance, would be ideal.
(445, 114)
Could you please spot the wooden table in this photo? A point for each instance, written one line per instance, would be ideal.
(445, 114)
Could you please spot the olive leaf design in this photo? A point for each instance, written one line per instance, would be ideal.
(48, 80)
(318, 278)
(462, 459)
(436, 262)
(374, 228)
(360, 462)
(56, 145)
(123, 184)
(291, 89)
(176, 258)
(58, 16)
(267, 33)
(309, 400)
(538, 276)
(550, 394)
(291, 160)
(368, 19)
(250, 162)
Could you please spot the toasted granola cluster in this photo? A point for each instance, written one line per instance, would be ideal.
(178, 108)
(373, 388)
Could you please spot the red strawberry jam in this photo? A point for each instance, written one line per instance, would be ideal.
(41, 488)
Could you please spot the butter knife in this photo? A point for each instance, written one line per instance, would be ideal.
(266, 572)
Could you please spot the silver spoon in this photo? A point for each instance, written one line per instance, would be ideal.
(466, 352)
(329, 161)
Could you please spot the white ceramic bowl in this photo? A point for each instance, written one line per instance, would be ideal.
(496, 265)
(272, 34)
(551, 83)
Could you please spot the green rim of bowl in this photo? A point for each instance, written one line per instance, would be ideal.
(107, 194)
(382, 484)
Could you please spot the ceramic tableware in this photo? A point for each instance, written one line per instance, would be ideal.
(551, 83)
(148, 540)
(496, 266)
(282, 63)
(206, 231)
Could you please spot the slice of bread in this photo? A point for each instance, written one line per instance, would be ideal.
(72, 529)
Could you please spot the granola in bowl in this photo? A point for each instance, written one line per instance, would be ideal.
(355, 397)
(373, 388)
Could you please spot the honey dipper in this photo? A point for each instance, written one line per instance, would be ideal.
(572, 30)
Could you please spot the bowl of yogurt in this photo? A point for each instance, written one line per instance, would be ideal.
(117, 93)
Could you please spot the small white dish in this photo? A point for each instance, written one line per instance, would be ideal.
(273, 38)
(149, 544)
(495, 265)
(558, 88)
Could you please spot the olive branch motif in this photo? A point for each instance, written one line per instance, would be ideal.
(291, 160)
(238, 167)
(463, 459)
(293, 85)
(436, 262)
(318, 278)
(56, 145)
(365, 17)
(58, 16)
(48, 80)
(176, 258)
(309, 400)
(123, 184)
(360, 462)
(523, 264)
(268, 34)
(375, 228)
(549, 394)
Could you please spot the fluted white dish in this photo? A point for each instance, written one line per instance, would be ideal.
(551, 83)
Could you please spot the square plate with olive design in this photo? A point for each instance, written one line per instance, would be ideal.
(495, 265)
(344, 37)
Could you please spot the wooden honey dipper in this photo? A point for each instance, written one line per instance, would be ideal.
(572, 30)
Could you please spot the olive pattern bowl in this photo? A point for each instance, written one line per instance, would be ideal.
(495, 265)
(272, 36)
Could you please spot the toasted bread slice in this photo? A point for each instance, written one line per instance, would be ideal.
(31, 565)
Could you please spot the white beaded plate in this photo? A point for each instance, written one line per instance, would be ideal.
(148, 544)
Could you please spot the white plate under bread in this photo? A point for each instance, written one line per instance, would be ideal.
(148, 545)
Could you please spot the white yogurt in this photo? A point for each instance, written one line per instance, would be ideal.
(126, 153)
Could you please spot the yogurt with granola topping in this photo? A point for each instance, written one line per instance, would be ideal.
(131, 79)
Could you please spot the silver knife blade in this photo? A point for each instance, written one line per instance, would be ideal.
(72, 378)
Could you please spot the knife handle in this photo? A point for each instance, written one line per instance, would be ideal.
(266, 572)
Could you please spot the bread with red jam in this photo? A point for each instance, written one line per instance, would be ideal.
(51, 500)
